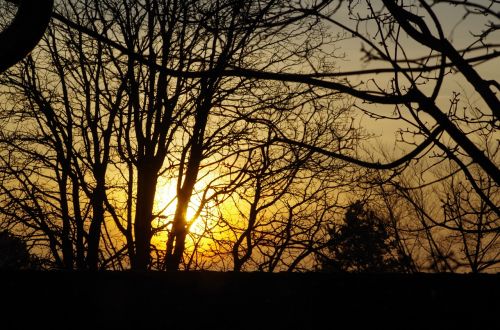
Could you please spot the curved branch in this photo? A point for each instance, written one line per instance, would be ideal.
(25, 31)
(425, 37)
(413, 95)
(367, 96)
(406, 158)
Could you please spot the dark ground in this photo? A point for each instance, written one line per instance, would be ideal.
(128, 300)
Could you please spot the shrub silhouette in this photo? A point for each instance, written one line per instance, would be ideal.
(362, 243)
(14, 254)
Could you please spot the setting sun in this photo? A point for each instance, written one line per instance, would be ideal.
(166, 203)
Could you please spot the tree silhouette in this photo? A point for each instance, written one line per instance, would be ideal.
(457, 228)
(362, 243)
(122, 93)
(102, 124)
(14, 254)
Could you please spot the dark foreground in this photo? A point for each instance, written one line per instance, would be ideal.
(127, 300)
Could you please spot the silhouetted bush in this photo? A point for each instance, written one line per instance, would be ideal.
(362, 243)
(14, 254)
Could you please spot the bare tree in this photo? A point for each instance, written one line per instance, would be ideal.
(409, 90)
(128, 92)
(150, 108)
(195, 37)
(456, 228)
(67, 111)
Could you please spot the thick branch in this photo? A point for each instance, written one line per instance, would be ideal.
(363, 163)
(25, 31)
(424, 36)
(428, 106)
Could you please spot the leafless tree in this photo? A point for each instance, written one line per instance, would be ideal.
(58, 139)
(454, 227)
(123, 93)
(199, 38)
(412, 65)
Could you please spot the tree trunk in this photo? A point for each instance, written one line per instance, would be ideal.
(67, 245)
(146, 188)
(176, 239)
(80, 231)
(176, 242)
(246, 236)
(95, 225)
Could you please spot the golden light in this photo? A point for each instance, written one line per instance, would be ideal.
(166, 203)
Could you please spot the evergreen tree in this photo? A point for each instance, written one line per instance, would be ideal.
(362, 243)
(14, 254)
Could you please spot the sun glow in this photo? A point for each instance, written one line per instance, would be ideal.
(166, 204)
(197, 215)
(208, 221)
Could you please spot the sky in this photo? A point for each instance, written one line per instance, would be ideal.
(459, 31)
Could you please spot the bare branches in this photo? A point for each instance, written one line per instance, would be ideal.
(378, 166)
(403, 17)
(245, 109)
